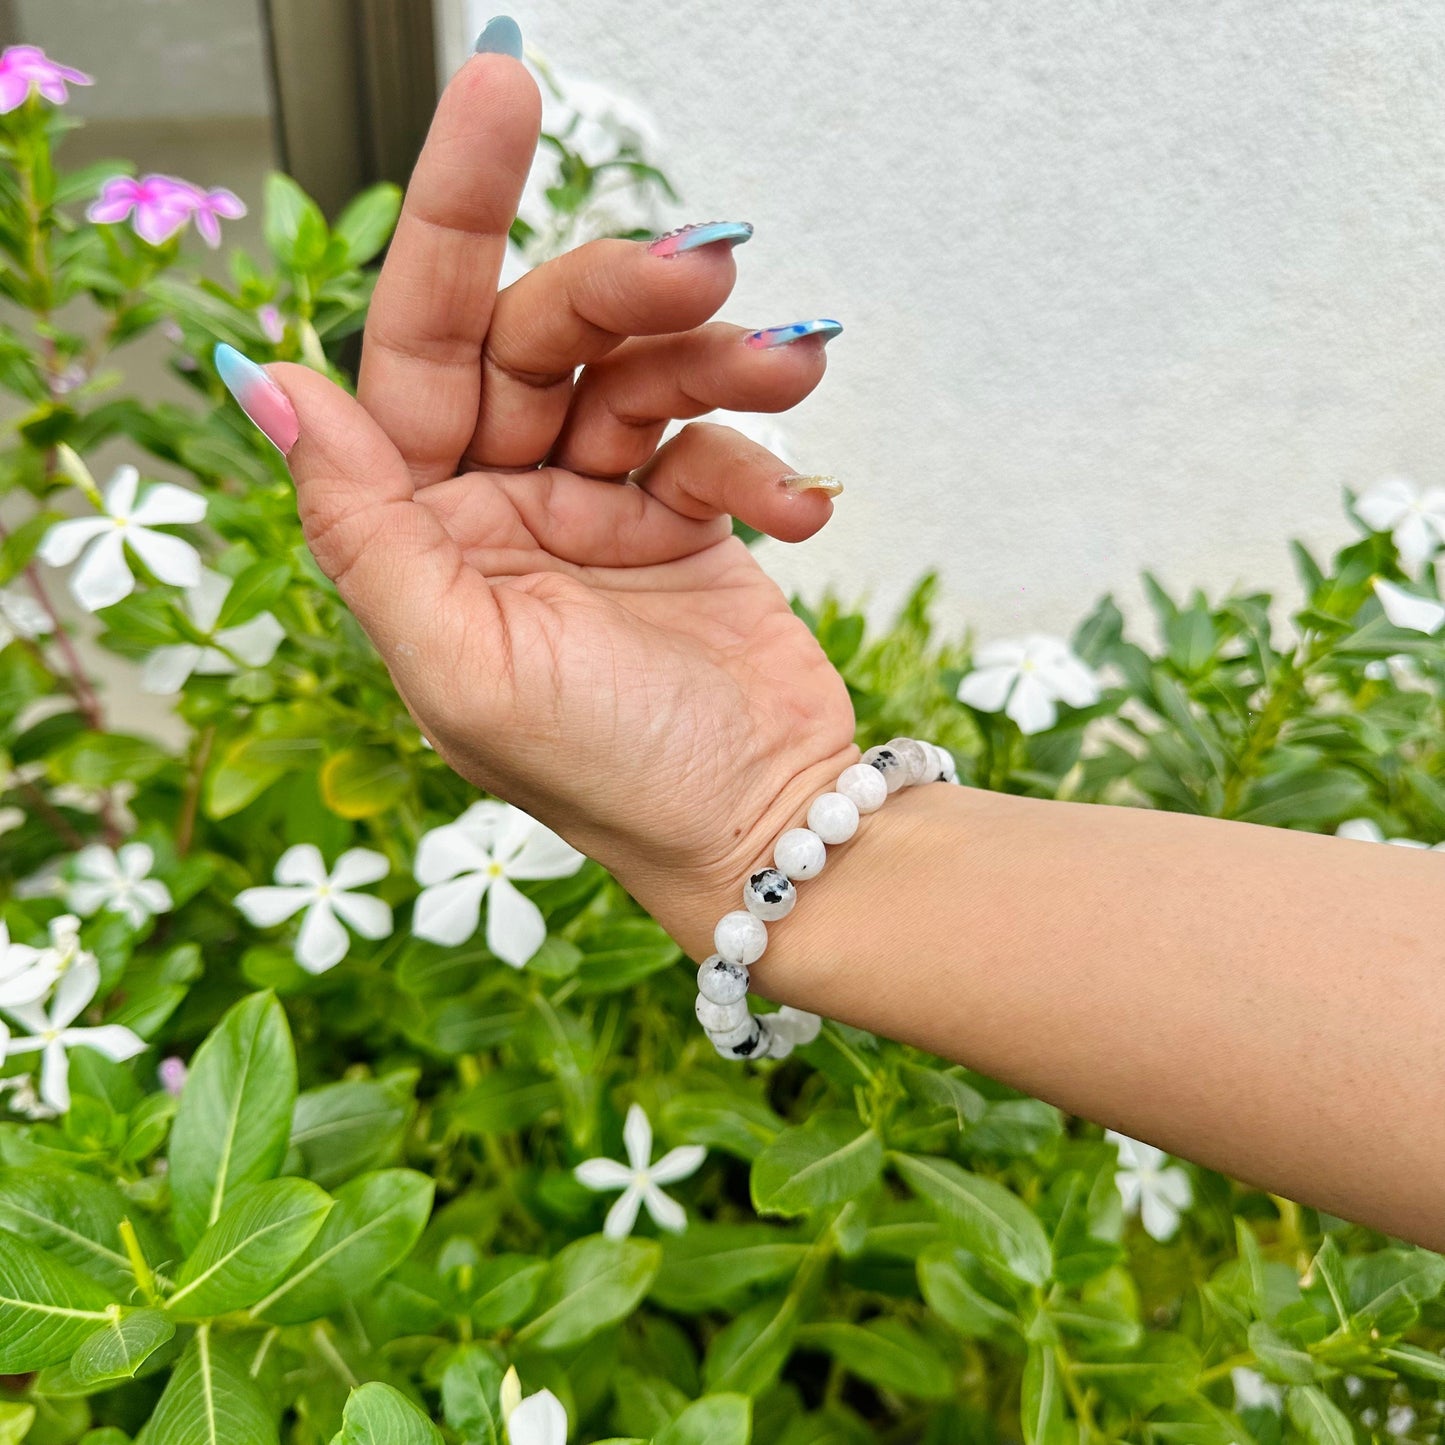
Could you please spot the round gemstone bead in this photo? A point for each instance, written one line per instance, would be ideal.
(774, 1045)
(719, 1018)
(795, 1024)
(740, 1043)
(888, 763)
(769, 895)
(800, 853)
(740, 937)
(864, 786)
(937, 769)
(721, 981)
(833, 817)
(914, 758)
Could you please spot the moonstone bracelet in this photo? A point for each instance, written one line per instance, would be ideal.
(741, 937)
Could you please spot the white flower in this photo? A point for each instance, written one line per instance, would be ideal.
(1399, 1420)
(253, 643)
(24, 1100)
(104, 574)
(1031, 676)
(1408, 611)
(1158, 1194)
(304, 883)
(26, 974)
(1401, 669)
(488, 846)
(51, 1035)
(638, 1179)
(537, 1420)
(21, 616)
(119, 882)
(1253, 1392)
(1366, 830)
(1415, 519)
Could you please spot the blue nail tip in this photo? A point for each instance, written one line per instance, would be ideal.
(782, 335)
(500, 36)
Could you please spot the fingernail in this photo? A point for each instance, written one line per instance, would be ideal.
(829, 486)
(259, 397)
(500, 36)
(703, 233)
(785, 335)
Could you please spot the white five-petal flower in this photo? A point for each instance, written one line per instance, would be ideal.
(639, 1178)
(1027, 679)
(52, 1035)
(21, 616)
(329, 900)
(1414, 519)
(1158, 1192)
(488, 846)
(1366, 830)
(537, 1420)
(1253, 1392)
(104, 576)
(26, 974)
(118, 881)
(253, 643)
(1407, 610)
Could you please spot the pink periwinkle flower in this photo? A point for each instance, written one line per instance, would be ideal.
(172, 1074)
(162, 205)
(27, 67)
(273, 326)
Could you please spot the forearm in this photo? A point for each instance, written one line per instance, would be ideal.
(1264, 1002)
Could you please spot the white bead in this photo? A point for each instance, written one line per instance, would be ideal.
(774, 1045)
(889, 764)
(740, 1043)
(729, 1038)
(721, 981)
(769, 895)
(718, 1018)
(937, 768)
(800, 853)
(914, 759)
(864, 787)
(833, 817)
(740, 937)
(795, 1024)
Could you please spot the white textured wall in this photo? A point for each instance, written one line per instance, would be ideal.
(1124, 284)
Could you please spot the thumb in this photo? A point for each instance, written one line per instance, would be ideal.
(391, 558)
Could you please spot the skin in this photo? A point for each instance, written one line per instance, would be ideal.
(566, 614)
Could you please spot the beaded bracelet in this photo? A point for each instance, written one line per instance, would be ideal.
(742, 936)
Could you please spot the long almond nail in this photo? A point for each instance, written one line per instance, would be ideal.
(501, 35)
(829, 486)
(772, 336)
(259, 397)
(702, 233)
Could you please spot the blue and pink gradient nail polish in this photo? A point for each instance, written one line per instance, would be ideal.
(259, 397)
(703, 233)
(785, 335)
(501, 35)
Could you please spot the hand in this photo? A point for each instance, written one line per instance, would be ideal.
(561, 603)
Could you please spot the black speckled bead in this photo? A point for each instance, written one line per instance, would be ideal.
(769, 894)
(889, 764)
(721, 981)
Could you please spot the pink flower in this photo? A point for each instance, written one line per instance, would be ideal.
(27, 67)
(209, 207)
(273, 325)
(162, 205)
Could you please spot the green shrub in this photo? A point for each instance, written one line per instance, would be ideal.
(354, 1205)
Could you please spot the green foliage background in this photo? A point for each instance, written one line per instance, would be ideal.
(361, 1209)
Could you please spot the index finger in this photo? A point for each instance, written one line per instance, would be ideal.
(421, 357)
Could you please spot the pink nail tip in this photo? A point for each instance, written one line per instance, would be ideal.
(259, 397)
(703, 233)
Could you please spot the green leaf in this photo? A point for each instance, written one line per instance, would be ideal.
(716, 1266)
(503, 1289)
(470, 1385)
(378, 1414)
(120, 1347)
(260, 585)
(294, 227)
(829, 1159)
(1316, 1417)
(16, 1419)
(505, 1100)
(1388, 1287)
(366, 224)
(885, 1352)
(1041, 1405)
(748, 1354)
(341, 1130)
(1164, 1369)
(1412, 1360)
(99, 760)
(375, 1224)
(622, 952)
(591, 1284)
(235, 1113)
(46, 1308)
(953, 1285)
(1279, 1359)
(713, 1420)
(249, 1249)
(211, 1399)
(363, 782)
(733, 1122)
(983, 1216)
